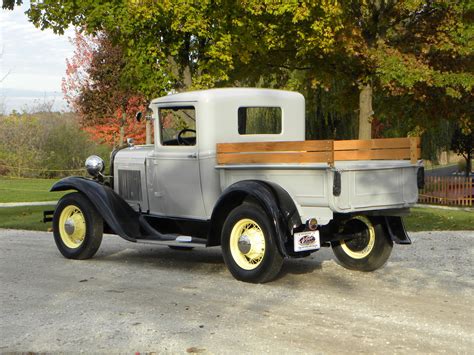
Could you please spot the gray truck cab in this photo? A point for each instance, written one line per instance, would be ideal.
(178, 174)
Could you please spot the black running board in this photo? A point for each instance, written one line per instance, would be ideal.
(176, 240)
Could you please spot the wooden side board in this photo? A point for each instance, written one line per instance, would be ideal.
(320, 151)
(267, 158)
(303, 146)
(378, 149)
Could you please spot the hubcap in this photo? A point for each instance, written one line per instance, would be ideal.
(244, 244)
(72, 226)
(359, 248)
(69, 226)
(247, 244)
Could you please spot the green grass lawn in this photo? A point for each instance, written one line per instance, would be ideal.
(30, 218)
(435, 219)
(420, 219)
(27, 190)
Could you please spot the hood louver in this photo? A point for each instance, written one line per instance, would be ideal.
(130, 187)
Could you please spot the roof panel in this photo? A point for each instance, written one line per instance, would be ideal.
(225, 93)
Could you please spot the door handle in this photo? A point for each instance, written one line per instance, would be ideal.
(193, 156)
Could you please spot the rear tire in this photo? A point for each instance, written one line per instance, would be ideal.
(368, 252)
(249, 245)
(77, 227)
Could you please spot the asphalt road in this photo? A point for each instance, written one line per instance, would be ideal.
(443, 171)
(137, 298)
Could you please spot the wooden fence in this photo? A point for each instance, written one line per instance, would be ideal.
(450, 191)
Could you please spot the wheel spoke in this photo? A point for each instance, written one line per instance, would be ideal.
(253, 233)
(74, 238)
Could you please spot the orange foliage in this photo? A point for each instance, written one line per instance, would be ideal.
(109, 133)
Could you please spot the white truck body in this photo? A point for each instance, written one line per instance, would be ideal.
(186, 181)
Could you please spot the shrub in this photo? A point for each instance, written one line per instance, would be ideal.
(44, 145)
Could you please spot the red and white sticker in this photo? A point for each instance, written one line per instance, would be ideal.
(306, 241)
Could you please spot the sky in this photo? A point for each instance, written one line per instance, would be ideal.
(33, 61)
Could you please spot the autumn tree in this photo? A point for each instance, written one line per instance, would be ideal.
(94, 88)
(415, 51)
(77, 68)
(423, 66)
(177, 45)
(419, 52)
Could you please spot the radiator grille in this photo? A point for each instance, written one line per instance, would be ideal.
(130, 187)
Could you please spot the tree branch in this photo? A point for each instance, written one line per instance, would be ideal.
(282, 66)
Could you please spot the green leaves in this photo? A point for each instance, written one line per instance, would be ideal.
(417, 55)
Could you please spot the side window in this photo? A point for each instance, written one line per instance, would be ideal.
(177, 125)
(259, 120)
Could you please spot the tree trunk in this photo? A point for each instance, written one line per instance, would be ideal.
(365, 112)
(148, 131)
(122, 127)
(187, 77)
(122, 134)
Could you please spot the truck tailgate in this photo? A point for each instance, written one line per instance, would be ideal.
(375, 185)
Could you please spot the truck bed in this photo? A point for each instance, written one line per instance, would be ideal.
(374, 174)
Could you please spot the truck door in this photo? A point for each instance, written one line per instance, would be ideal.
(176, 183)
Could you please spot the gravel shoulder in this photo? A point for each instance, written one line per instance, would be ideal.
(137, 298)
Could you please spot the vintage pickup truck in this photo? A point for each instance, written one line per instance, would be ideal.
(231, 167)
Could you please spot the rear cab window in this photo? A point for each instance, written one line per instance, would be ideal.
(259, 120)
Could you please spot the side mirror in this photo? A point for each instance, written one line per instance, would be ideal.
(138, 116)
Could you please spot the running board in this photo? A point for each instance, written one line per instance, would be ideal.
(181, 241)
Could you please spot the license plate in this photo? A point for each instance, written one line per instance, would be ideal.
(306, 241)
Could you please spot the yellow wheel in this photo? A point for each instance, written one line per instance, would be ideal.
(359, 248)
(367, 247)
(72, 226)
(249, 244)
(77, 227)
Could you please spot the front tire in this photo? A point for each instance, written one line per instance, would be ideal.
(249, 245)
(77, 227)
(367, 252)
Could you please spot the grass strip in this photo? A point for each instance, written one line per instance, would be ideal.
(30, 218)
(434, 219)
(27, 190)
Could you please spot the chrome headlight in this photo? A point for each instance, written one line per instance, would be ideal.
(95, 165)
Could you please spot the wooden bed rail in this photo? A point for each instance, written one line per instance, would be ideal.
(319, 151)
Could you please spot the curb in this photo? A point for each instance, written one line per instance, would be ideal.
(27, 204)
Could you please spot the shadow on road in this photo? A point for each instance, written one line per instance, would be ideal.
(209, 259)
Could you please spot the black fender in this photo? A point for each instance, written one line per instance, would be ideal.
(396, 229)
(275, 200)
(116, 212)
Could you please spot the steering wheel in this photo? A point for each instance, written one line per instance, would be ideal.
(184, 141)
